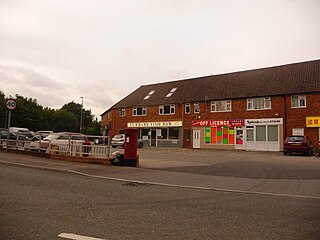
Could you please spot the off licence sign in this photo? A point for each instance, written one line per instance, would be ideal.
(10, 104)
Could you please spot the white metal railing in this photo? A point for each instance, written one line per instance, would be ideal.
(100, 147)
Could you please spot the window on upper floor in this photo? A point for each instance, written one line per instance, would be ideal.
(258, 103)
(187, 108)
(221, 106)
(122, 112)
(166, 109)
(196, 106)
(298, 101)
(140, 111)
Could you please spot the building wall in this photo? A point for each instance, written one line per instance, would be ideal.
(280, 107)
(296, 117)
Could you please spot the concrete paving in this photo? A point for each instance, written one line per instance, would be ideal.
(298, 188)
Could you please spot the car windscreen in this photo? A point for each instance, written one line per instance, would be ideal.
(119, 136)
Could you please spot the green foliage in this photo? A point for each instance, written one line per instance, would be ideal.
(31, 115)
(3, 111)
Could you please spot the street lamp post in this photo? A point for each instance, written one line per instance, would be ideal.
(81, 115)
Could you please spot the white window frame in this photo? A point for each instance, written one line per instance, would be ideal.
(187, 106)
(227, 105)
(171, 109)
(301, 99)
(122, 112)
(196, 107)
(143, 111)
(252, 102)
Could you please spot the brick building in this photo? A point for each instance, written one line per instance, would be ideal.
(251, 110)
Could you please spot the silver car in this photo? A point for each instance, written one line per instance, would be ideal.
(118, 140)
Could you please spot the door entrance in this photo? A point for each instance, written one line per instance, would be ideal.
(239, 138)
(250, 138)
(196, 139)
(153, 137)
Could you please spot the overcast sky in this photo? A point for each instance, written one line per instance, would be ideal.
(58, 51)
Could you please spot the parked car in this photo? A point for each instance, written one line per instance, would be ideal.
(298, 144)
(28, 134)
(12, 136)
(118, 141)
(43, 134)
(62, 138)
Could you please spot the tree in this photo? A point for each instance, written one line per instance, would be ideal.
(31, 115)
(64, 121)
(3, 110)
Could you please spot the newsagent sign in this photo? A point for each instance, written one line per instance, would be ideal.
(263, 121)
(313, 121)
(208, 123)
(154, 124)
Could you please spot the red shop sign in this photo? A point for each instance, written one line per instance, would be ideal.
(208, 123)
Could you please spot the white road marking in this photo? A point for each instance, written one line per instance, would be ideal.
(77, 237)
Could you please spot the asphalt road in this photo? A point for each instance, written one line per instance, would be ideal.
(37, 204)
(252, 165)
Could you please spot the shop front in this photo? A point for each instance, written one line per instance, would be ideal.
(263, 134)
(218, 134)
(159, 134)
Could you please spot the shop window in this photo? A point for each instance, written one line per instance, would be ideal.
(219, 135)
(261, 133)
(273, 133)
(221, 106)
(259, 103)
(187, 108)
(250, 135)
(298, 101)
(166, 109)
(122, 112)
(140, 111)
(173, 133)
(163, 133)
(145, 133)
(196, 106)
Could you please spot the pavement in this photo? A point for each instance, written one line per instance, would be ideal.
(292, 188)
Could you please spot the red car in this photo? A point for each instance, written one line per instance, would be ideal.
(298, 144)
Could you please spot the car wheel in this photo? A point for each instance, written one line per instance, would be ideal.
(140, 145)
(310, 153)
(285, 152)
(114, 146)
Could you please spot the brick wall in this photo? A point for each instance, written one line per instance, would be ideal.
(281, 107)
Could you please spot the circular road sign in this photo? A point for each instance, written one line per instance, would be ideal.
(10, 104)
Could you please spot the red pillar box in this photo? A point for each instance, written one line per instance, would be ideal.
(131, 147)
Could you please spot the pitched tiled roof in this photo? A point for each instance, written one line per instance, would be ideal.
(288, 79)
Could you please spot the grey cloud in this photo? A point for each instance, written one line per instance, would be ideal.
(25, 81)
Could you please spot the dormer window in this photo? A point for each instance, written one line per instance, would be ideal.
(171, 92)
(149, 94)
